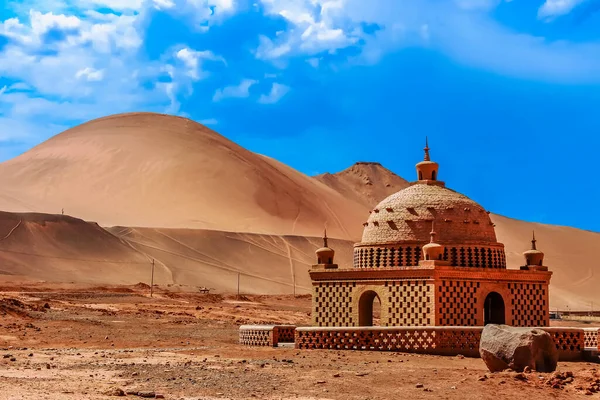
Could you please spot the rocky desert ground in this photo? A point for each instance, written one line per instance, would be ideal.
(73, 341)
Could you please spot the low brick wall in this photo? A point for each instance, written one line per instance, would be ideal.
(442, 340)
(266, 335)
(592, 338)
(425, 340)
(570, 342)
(446, 340)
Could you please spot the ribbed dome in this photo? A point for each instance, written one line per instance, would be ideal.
(406, 217)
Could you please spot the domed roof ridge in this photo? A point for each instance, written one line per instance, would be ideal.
(405, 216)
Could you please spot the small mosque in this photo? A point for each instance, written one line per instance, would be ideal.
(429, 257)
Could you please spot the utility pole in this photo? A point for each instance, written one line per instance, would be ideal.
(238, 292)
(152, 279)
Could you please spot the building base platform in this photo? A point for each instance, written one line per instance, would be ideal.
(572, 343)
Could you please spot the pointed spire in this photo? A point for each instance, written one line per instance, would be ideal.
(533, 242)
(426, 150)
(432, 233)
(325, 238)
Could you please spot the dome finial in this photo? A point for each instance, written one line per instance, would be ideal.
(432, 233)
(325, 237)
(427, 169)
(533, 242)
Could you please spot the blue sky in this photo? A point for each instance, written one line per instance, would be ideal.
(507, 91)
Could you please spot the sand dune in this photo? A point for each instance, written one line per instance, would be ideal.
(250, 214)
(153, 170)
(268, 264)
(365, 182)
(65, 249)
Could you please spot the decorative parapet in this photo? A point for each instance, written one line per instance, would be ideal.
(425, 340)
(439, 340)
(592, 338)
(447, 340)
(266, 335)
(569, 342)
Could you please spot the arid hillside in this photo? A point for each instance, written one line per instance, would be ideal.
(156, 170)
(65, 249)
(207, 211)
(57, 248)
(365, 182)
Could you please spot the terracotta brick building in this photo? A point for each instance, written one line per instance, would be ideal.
(429, 257)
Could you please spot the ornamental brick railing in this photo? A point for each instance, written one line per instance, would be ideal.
(266, 335)
(592, 338)
(569, 342)
(448, 340)
(425, 340)
(442, 340)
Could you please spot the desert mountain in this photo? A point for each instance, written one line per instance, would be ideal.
(365, 182)
(154, 170)
(66, 249)
(153, 177)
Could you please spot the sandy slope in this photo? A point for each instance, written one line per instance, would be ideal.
(66, 249)
(364, 182)
(154, 170)
(58, 248)
(165, 173)
(267, 264)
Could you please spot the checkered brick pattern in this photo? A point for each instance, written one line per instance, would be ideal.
(457, 303)
(402, 256)
(592, 337)
(256, 337)
(285, 334)
(569, 342)
(410, 303)
(408, 340)
(427, 340)
(332, 304)
(528, 302)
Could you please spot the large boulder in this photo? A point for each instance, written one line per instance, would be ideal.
(502, 347)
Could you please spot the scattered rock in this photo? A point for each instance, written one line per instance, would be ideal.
(520, 376)
(321, 382)
(336, 375)
(362, 373)
(503, 347)
(115, 392)
(147, 395)
(419, 385)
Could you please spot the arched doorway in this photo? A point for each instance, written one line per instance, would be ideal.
(369, 309)
(493, 309)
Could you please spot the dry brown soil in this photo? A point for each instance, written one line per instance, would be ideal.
(76, 342)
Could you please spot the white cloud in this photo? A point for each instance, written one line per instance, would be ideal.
(90, 74)
(318, 25)
(3, 89)
(239, 91)
(192, 59)
(277, 92)
(163, 4)
(117, 5)
(209, 121)
(556, 8)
